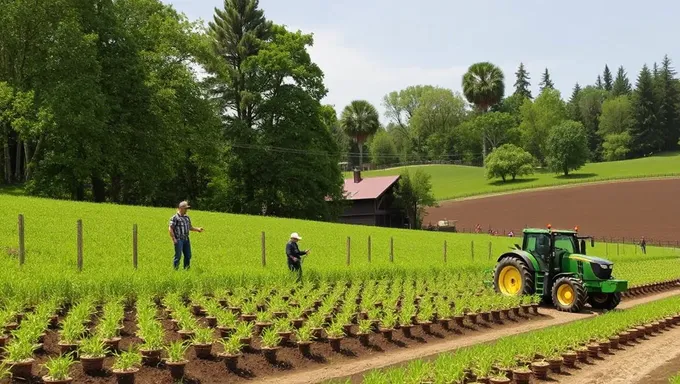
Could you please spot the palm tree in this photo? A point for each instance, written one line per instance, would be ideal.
(360, 120)
(483, 86)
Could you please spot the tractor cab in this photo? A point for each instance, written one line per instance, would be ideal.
(553, 264)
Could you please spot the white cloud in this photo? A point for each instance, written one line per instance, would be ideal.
(351, 74)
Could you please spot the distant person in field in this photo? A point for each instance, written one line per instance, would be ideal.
(180, 226)
(294, 255)
(643, 245)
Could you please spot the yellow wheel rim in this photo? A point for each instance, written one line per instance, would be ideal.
(565, 295)
(510, 280)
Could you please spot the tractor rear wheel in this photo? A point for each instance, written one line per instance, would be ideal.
(569, 294)
(512, 277)
(607, 301)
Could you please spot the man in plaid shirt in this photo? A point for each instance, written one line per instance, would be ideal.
(180, 226)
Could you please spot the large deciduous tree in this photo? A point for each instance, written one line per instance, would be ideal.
(509, 160)
(538, 119)
(567, 147)
(484, 86)
(281, 158)
(360, 120)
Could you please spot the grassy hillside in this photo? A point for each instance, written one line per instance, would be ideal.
(229, 250)
(454, 181)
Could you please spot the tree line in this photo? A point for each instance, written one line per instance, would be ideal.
(127, 101)
(610, 119)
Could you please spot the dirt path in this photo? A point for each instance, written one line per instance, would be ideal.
(355, 369)
(646, 362)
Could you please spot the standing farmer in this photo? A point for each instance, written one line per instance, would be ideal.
(294, 255)
(643, 245)
(180, 226)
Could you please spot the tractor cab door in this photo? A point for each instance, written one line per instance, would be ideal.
(538, 244)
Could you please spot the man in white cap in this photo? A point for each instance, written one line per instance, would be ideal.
(294, 254)
(180, 226)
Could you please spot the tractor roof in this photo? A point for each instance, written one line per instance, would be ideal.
(546, 230)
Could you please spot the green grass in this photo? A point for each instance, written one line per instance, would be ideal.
(455, 181)
(228, 252)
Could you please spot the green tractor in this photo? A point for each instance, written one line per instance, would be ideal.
(552, 264)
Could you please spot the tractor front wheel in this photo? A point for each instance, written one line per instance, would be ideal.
(512, 277)
(569, 294)
(606, 301)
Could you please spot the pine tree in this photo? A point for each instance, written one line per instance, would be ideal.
(621, 84)
(545, 81)
(669, 102)
(598, 83)
(573, 109)
(607, 77)
(522, 84)
(645, 134)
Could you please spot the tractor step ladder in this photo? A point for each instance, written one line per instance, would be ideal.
(540, 277)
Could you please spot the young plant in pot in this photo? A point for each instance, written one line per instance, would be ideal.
(248, 311)
(152, 347)
(296, 316)
(270, 343)
(126, 365)
(335, 335)
(203, 342)
(425, 315)
(72, 330)
(211, 308)
(232, 351)
(278, 307)
(58, 369)
(284, 329)
(483, 367)
(304, 337)
(388, 321)
(263, 321)
(5, 373)
(365, 329)
(92, 353)
(405, 319)
(197, 299)
(187, 325)
(444, 312)
(244, 332)
(177, 360)
(19, 356)
(108, 330)
(226, 322)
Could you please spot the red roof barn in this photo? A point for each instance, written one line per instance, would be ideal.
(372, 201)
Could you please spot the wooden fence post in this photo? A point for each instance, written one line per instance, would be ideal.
(22, 249)
(348, 249)
(134, 245)
(617, 249)
(80, 244)
(445, 251)
(489, 250)
(392, 249)
(369, 248)
(472, 249)
(264, 252)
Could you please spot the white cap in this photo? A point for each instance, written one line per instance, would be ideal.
(294, 235)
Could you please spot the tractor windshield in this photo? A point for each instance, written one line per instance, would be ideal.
(566, 243)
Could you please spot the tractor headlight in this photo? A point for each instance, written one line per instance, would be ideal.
(604, 266)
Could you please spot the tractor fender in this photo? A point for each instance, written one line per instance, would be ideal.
(564, 274)
(528, 258)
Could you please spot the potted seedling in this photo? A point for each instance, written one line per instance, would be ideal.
(526, 303)
(196, 299)
(315, 321)
(535, 301)
(226, 322)
(304, 338)
(177, 360)
(283, 328)
(203, 342)
(152, 347)
(521, 373)
(263, 321)
(58, 369)
(244, 331)
(296, 315)
(405, 320)
(335, 335)
(108, 331)
(232, 351)
(126, 365)
(365, 328)
(92, 353)
(19, 356)
(187, 326)
(5, 373)
(424, 317)
(540, 369)
(248, 311)
(270, 341)
(71, 331)
(211, 309)
(388, 322)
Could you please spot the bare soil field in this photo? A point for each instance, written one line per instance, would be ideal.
(624, 209)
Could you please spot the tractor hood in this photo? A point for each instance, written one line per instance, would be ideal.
(590, 259)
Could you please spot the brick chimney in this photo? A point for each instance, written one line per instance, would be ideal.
(357, 175)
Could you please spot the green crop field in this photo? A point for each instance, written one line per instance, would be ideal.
(229, 250)
(455, 181)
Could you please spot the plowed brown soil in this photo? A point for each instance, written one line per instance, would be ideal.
(624, 209)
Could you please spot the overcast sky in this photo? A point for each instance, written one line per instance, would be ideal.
(368, 48)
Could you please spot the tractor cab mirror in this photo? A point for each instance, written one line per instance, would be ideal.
(583, 247)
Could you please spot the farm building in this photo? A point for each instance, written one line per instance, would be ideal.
(372, 202)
